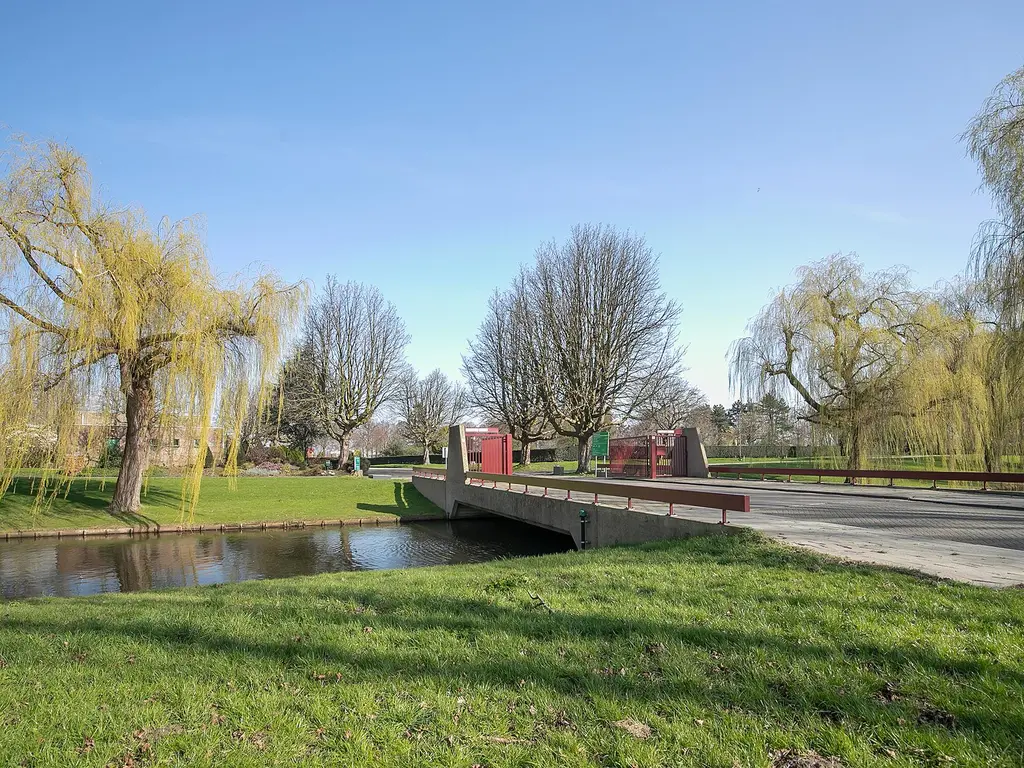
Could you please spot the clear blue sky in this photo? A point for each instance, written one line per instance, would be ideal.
(429, 147)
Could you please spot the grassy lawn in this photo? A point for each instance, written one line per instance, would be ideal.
(255, 499)
(723, 651)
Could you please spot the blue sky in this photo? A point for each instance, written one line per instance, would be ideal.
(429, 147)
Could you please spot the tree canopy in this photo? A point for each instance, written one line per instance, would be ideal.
(97, 300)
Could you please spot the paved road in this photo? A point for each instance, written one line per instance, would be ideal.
(988, 519)
(952, 534)
(390, 473)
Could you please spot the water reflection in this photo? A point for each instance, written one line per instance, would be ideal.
(30, 568)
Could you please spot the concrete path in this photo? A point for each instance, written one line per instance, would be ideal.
(965, 536)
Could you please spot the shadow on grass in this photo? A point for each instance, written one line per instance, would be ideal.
(781, 672)
(408, 503)
(83, 497)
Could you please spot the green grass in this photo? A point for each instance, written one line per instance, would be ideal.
(255, 499)
(729, 649)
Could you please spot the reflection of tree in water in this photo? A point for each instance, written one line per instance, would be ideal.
(279, 554)
(90, 566)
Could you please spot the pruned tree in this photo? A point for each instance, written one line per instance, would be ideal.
(672, 404)
(427, 407)
(602, 330)
(97, 298)
(352, 358)
(843, 342)
(504, 386)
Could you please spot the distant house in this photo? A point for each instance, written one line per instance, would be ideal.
(171, 446)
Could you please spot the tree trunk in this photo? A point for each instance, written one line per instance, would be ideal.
(583, 460)
(855, 451)
(524, 455)
(342, 456)
(993, 456)
(138, 414)
(426, 453)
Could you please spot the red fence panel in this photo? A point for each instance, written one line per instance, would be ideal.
(496, 454)
(629, 457)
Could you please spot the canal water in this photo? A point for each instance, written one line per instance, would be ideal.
(70, 567)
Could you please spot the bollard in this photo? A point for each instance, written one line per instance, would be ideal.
(583, 529)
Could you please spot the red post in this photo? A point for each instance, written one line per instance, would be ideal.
(652, 456)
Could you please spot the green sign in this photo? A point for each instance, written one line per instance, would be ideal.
(599, 444)
(355, 463)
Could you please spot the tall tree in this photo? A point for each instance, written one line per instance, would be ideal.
(995, 139)
(672, 403)
(775, 415)
(353, 357)
(503, 383)
(427, 407)
(602, 330)
(297, 421)
(95, 297)
(720, 420)
(842, 341)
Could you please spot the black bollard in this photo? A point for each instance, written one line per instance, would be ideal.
(583, 529)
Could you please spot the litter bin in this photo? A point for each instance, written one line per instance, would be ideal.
(557, 470)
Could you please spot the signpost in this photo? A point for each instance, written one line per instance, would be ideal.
(599, 448)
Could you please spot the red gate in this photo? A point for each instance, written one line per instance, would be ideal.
(631, 456)
(489, 451)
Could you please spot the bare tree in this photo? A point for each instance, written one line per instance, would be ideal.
(672, 404)
(427, 407)
(352, 357)
(499, 368)
(602, 330)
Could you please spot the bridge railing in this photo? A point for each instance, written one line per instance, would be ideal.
(433, 474)
(984, 478)
(726, 502)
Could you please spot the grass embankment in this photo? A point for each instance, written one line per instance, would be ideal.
(723, 651)
(255, 499)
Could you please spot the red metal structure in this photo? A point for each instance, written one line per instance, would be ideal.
(488, 450)
(631, 456)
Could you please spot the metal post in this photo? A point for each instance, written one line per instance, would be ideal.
(671, 506)
(652, 456)
(724, 517)
(583, 529)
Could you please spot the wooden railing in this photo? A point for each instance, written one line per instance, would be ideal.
(726, 502)
(984, 478)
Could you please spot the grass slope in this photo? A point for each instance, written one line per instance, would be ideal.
(730, 650)
(255, 499)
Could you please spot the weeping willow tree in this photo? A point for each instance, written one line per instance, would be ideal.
(876, 365)
(94, 300)
(995, 139)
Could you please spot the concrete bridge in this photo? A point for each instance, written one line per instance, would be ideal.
(606, 513)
